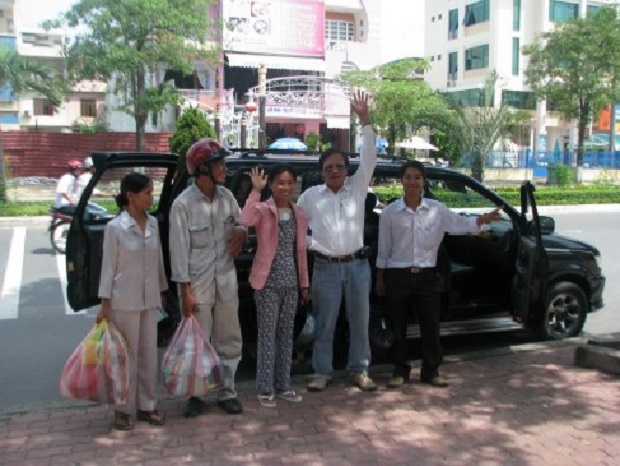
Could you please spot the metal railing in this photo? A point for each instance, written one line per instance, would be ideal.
(544, 159)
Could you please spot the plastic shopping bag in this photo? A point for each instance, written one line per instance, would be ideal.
(191, 366)
(98, 370)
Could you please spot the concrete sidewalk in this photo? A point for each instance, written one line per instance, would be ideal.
(525, 407)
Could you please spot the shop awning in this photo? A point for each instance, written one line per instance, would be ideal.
(275, 62)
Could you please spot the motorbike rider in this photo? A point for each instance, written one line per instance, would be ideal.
(68, 188)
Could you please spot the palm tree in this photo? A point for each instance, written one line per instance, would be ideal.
(481, 127)
(20, 74)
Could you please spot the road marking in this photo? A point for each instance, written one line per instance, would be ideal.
(9, 298)
(61, 261)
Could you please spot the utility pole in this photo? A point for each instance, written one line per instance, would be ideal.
(262, 99)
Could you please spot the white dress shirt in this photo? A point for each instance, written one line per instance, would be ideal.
(337, 219)
(199, 231)
(411, 238)
(132, 269)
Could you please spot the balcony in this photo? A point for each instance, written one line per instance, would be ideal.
(205, 99)
(451, 80)
(306, 97)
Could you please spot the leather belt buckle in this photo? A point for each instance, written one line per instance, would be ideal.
(416, 270)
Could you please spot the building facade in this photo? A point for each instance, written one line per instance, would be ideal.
(467, 39)
(84, 105)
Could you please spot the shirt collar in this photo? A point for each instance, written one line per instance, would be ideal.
(400, 204)
(345, 187)
(198, 194)
(128, 223)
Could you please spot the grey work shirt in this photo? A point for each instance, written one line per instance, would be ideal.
(132, 269)
(199, 229)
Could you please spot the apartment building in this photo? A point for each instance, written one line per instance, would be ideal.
(305, 46)
(467, 39)
(84, 104)
(8, 39)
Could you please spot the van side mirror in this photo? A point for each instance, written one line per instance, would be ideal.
(547, 225)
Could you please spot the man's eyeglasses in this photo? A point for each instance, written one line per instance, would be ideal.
(334, 168)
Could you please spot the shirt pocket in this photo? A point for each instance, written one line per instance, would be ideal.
(199, 236)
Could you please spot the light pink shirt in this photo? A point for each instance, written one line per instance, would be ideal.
(264, 216)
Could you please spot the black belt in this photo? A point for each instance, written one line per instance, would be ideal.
(359, 254)
(416, 270)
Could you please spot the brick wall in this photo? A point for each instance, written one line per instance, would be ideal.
(47, 154)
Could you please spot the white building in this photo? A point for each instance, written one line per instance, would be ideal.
(467, 39)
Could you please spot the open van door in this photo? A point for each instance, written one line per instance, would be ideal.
(85, 238)
(531, 265)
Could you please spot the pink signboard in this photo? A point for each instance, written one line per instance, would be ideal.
(275, 27)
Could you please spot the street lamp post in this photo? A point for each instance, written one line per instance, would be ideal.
(262, 98)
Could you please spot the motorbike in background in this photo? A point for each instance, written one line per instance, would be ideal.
(61, 222)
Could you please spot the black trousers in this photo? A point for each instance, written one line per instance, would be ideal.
(406, 293)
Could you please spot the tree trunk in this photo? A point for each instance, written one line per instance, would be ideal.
(582, 122)
(392, 140)
(140, 113)
(3, 194)
(477, 165)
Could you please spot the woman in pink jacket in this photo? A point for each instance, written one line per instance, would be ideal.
(279, 276)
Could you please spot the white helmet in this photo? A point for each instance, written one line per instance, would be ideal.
(88, 162)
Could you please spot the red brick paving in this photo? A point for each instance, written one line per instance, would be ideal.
(526, 408)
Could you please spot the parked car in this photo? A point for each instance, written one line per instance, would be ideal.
(517, 274)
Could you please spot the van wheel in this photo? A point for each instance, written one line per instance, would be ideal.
(566, 308)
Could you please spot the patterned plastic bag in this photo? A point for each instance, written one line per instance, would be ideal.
(98, 370)
(191, 367)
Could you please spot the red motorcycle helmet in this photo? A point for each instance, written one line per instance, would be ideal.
(74, 164)
(204, 151)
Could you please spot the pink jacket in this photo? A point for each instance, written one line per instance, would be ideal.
(264, 216)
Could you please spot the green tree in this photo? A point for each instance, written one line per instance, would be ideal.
(573, 67)
(400, 99)
(191, 127)
(479, 128)
(130, 40)
(20, 74)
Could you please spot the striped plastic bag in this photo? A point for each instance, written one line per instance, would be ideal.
(191, 367)
(98, 370)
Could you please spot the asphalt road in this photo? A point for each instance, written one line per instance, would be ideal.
(36, 340)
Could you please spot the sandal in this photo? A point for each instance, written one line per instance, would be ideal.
(152, 417)
(122, 421)
(267, 400)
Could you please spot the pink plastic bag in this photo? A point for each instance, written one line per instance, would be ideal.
(191, 367)
(98, 370)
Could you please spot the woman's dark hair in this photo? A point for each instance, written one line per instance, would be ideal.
(277, 170)
(325, 155)
(412, 164)
(131, 183)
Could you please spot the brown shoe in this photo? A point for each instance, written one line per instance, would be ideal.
(317, 384)
(396, 381)
(437, 381)
(363, 382)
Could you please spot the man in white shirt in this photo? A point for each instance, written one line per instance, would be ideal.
(410, 232)
(203, 241)
(336, 217)
(68, 188)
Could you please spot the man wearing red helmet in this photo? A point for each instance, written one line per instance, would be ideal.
(204, 238)
(68, 188)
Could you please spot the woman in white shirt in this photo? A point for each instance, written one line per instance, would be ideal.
(410, 232)
(131, 286)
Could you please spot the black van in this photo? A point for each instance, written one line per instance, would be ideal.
(517, 274)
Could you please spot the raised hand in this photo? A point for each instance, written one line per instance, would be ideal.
(359, 104)
(259, 179)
